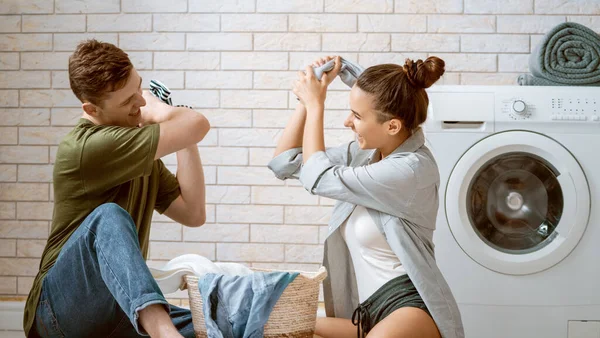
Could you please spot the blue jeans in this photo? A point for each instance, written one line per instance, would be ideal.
(100, 282)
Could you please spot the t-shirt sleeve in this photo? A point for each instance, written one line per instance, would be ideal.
(114, 155)
(168, 188)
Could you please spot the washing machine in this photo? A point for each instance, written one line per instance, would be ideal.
(518, 229)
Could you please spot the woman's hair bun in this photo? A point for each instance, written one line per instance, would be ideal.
(423, 74)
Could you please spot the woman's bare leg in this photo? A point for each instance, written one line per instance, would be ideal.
(328, 327)
(404, 323)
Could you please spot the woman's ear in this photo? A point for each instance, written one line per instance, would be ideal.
(394, 127)
(90, 109)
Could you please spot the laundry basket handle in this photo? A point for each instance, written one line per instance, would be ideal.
(320, 275)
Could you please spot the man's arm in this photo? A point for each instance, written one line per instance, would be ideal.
(189, 208)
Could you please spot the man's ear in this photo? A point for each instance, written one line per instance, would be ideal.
(90, 109)
(394, 127)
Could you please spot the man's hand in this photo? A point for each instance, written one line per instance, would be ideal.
(155, 111)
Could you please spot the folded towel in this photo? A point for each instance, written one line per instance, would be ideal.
(170, 277)
(530, 80)
(569, 54)
(349, 72)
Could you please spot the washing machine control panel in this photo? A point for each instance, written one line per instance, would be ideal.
(567, 108)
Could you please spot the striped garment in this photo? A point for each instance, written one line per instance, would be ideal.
(161, 91)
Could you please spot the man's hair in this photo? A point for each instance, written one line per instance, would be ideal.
(97, 68)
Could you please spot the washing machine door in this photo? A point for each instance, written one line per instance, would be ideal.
(517, 202)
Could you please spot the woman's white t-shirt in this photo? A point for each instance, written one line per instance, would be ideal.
(374, 261)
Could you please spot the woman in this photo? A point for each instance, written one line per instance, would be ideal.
(383, 280)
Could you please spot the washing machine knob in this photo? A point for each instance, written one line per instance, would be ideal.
(519, 107)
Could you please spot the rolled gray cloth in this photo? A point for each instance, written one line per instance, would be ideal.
(349, 72)
(569, 54)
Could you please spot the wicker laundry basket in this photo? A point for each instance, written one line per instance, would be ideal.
(293, 316)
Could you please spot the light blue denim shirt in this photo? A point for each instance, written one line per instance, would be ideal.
(401, 194)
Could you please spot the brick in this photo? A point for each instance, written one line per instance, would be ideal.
(30, 248)
(197, 98)
(222, 6)
(156, 6)
(469, 62)
(249, 214)
(248, 252)
(287, 41)
(170, 250)
(9, 61)
(254, 61)
(23, 192)
(425, 43)
(299, 60)
(45, 60)
(65, 116)
(9, 135)
(141, 60)
(586, 7)
(24, 116)
(307, 215)
(283, 196)
(253, 99)
(172, 79)
(211, 139)
(152, 41)
(10, 23)
(34, 210)
(24, 285)
(8, 285)
(219, 41)
(165, 232)
(42, 135)
(449, 79)
(323, 233)
(337, 100)
(35, 173)
(53, 150)
(218, 80)
(8, 247)
(461, 23)
(334, 119)
(303, 253)
(287, 266)
(249, 137)
(325, 23)
(49, 98)
(23, 154)
(527, 23)
(224, 156)
(359, 6)
(54, 23)
(186, 60)
(535, 41)
(429, 6)
(119, 23)
(289, 6)
(496, 7)
(261, 156)
(243, 175)
(376, 23)
(494, 43)
(87, 6)
(7, 210)
(217, 233)
(210, 174)
(186, 22)
(592, 22)
(60, 79)
(228, 117)
(374, 42)
(26, 6)
(371, 59)
(489, 79)
(25, 42)
(513, 63)
(336, 137)
(302, 234)
(69, 42)
(19, 266)
(8, 173)
(271, 118)
(254, 22)
(9, 98)
(228, 194)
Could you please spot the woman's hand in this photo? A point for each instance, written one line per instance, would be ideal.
(310, 91)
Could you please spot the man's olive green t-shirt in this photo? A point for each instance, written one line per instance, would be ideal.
(97, 164)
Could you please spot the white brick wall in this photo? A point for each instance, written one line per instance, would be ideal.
(235, 61)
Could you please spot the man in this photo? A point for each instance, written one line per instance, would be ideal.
(108, 179)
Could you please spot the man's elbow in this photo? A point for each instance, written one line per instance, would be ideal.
(202, 127)
(197, 220)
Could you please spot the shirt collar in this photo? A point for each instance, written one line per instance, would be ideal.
(410, 145)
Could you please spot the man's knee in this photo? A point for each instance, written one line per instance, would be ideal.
(111, 217)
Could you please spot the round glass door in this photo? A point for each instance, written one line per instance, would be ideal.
(517, 202)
